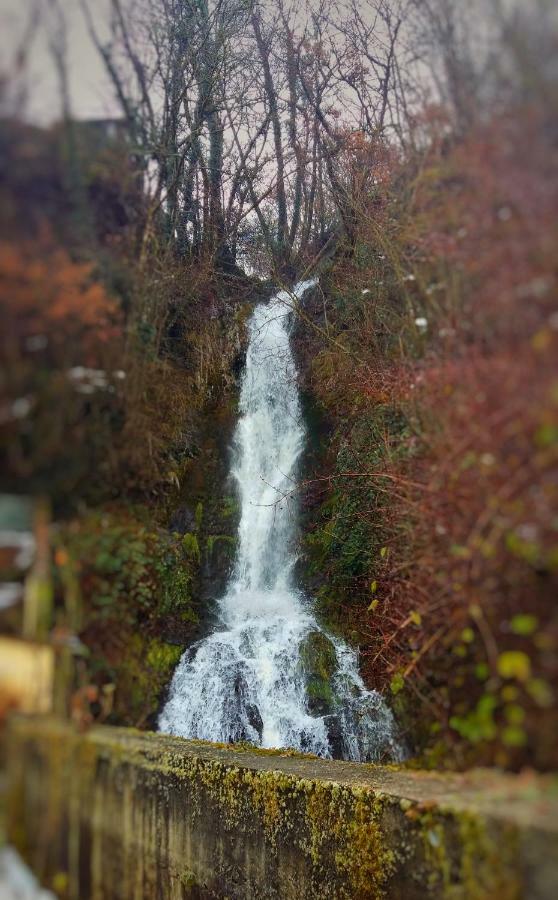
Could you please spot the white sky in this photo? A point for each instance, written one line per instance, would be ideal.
(90, 92)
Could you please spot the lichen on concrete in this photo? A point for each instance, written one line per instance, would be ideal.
(127, 814)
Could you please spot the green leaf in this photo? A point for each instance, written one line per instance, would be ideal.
(482, 671)
(384, 552)
(478, 725)
(514, 664)
(514, 736)
(515, 714)
(546, 435)
(460, 551)
(541, 692)
(415, 617)
(524, 624)
(374, 587)
(373, 606)
(397, 683)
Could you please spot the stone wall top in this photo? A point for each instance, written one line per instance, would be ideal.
(126, 814)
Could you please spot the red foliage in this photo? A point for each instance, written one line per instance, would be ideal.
(483, 490)
(454, 324)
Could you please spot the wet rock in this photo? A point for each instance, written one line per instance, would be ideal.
(320, 695)
(217, 562)
(255, 719)
(318, 661)
(335, 736)
(183, 520)
(247, 721)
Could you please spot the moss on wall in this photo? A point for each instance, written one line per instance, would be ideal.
(127, 814)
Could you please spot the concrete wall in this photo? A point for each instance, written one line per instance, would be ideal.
(26, 675)
(114, 814)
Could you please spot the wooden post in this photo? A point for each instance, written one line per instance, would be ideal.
(39, 592)
(64, 681)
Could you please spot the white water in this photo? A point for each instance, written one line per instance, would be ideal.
(245, 681)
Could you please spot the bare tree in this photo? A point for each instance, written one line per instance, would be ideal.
(240, 114)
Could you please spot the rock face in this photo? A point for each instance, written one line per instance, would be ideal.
(115, 814)
(183, 520)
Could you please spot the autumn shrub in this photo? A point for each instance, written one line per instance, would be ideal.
(100, 401)
(486, 538)
(61, 366)
(433, 523)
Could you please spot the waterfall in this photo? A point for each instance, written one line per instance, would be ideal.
(270, 674)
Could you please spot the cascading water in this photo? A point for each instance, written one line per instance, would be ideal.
(270, 674)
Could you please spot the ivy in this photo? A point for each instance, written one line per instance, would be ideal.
(128, 572)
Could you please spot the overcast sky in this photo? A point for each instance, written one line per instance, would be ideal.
(90, 92)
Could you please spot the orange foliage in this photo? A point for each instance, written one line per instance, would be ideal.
(60, 330)
(43, 291)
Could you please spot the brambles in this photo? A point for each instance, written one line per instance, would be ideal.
(443, 405)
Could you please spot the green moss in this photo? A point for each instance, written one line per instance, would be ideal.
(227, 540)
(229, 507)
(345, 840)
(135, 587)
(352, 820)
(462, 860)
(126, 569)
(319, 689)
(346, 536)
(188, 879)
(191, 546)
(317, 655)
(318, 662)
(486, 864)
(163, 657)
(143, 674)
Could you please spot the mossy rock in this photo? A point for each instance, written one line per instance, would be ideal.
(317, 655)
(318, 662)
